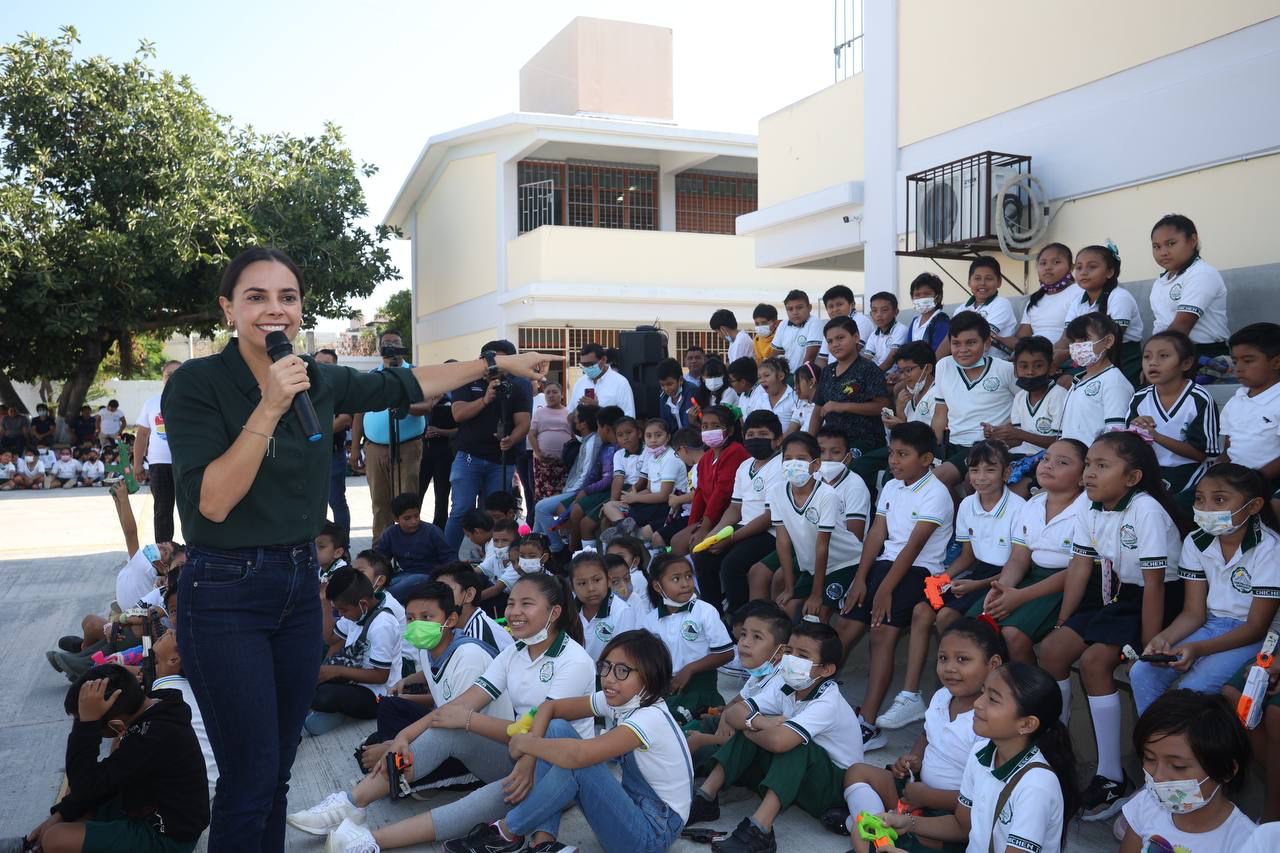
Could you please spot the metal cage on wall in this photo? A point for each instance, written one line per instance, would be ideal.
(953, 210)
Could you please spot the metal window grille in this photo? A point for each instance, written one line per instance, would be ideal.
(708, 340)
(709, 203)
(847, 27)
(587, 195)
(564, 342)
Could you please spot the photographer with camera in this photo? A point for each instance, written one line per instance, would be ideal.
(493, 420)
(392, 446)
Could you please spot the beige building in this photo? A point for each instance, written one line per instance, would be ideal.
(1122, 111)
(587, 212)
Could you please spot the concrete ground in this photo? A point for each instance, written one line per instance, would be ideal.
(59, 553)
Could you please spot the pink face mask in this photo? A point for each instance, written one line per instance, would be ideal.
(713, 438)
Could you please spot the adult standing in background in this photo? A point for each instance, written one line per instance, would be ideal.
(483, 463)
(152, 446)
(374, 430)
(111, 423)
(437, 456)
(14, 427)
(549, 431)
(43, 427)
(250, 493)
(338, 462)
(695, 358)
(599, 384)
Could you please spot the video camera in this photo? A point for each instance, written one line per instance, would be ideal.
(394, 352)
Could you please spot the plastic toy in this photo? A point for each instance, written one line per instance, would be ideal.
(724, 533)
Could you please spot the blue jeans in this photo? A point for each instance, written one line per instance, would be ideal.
(470, 480)
(405, 581)
(1206, 675)
(338, 491)
(625, 816)
(248, 625)
(544, 514)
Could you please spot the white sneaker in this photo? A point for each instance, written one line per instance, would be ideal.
(906, 709)
(351, 837)
(327, 815)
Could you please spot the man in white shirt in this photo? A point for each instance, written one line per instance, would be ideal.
(110, 423)
(152, 446)
(725, 324)
(599, 384)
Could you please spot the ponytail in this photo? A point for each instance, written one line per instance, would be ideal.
(557, 592)
(1037, 695)
(1137, 454)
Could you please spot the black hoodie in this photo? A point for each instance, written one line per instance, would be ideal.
(158, 771)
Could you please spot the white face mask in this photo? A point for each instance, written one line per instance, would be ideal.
(628, 706)
(832, 469)
(714, 383)
(924, 305)
(530, 565)
(797, 673)
(538, 636)
(764, 331)
(919, 386)
(673, 604)
(1180, 796)
(1217, 522)
(796, 471)
(1082, 353)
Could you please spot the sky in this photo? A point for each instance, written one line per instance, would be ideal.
(393, 73)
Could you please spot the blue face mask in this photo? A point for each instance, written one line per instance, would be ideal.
(764, 670)
(592, 371)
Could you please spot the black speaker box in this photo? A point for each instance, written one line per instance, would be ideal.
(641, 351)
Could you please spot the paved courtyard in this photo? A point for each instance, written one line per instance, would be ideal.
(59, 553)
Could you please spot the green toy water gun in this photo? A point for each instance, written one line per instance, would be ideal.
(122, 468)
(874, 830)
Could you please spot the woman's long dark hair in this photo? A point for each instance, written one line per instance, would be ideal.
(1038, 696)
(1136, 453)
(231, 275)
(1052, 247)
(557, 592)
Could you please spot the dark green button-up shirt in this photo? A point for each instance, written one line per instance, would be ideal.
(208, 400)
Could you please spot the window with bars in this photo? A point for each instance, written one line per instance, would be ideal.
(708, 203)
(564, 342)
(587, 195)
(710, 341)
(849, 35)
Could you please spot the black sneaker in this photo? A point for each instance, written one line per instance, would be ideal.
(1103, 798)
(484, 838)
(71, 643)
(746, 838)
(702, 809)
(833, 819)
(872, 737)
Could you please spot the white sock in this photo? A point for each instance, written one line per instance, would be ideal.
(861, 797)
(1106, 731)
(1065, 687)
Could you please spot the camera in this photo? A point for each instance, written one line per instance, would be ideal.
(394, 352)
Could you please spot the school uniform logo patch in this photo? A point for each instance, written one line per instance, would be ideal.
(1092, 389)
(1129, 537)
(1044, 426)
(1175, 293)
(1006, 814)
(448, 691)
(547, 672)
(811, 515)
(758, 484)
(991, 383)
(690, 630)
(1241, 581)
(835, 591)
(603, 631)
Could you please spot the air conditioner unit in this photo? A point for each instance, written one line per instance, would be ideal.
(952, 207)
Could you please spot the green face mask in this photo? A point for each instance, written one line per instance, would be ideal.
(423, 635)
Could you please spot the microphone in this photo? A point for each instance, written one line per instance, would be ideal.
(278, 347)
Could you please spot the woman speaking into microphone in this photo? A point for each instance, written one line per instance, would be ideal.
(251, 491)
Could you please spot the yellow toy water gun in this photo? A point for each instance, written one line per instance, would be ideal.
(725, 533)
(523, 724)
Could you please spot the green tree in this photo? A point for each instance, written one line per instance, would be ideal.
(145, 360)
(123, 195)
(398, 312)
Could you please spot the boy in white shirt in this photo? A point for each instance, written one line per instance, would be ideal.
(725, 324)
(800, 339)
(882, 346)
(1250, 422)
(970, 389)
(364, 661)
(65, 472)
(28, 472)
(984, 284)
(905, 546)
(1036, 419)
(91, 469)
(838, 302)
(6, 471)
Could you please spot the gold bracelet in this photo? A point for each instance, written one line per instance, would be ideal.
(469, 715)
(271, 440)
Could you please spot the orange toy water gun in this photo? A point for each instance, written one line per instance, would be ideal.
(1251, 702)
(934, 587)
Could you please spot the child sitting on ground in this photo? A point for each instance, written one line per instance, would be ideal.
(332, 549)
(623, 584)
(65, 473)
(928, 777)
(1195, 757)
(364, 659)
(375, 566)
(694, 635)
(149, 793)
(905, 546)
(169, 677)
(28, 472)
(92, 471)
(498, 562)
(984, 528)
(415, 547)
(796, 740)
(603, 614)
(477, 530)
(467, 585)
(6, 471)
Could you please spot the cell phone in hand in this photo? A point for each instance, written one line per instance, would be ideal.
(1158, 658)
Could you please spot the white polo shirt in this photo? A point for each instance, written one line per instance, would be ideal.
(904, 506)
(666, 467)
(1031, 820)
(786, 404)
(855, 497)
(753, 686)
(951, 742)
(467, 663)
(384, 647)
(822, 512)
(1044, 418)
(22, 469)
(1048, 317)
(135, 579)
(1048, 540)
(825, 718)
(1121, 307)
(691, 632)
(1253, 425)
(563, 671)
(1201, 291)
(751, 484)
(92, 471)
(613, 617)
(612, 389)
(1252, 572)
(68, 470)
(802, 414)
(1137, 536)
(920, 411)
(740, 347)
(663, 757)
(881, 343)
(1193, 418)
(998, 311)
(158, 445)
(627, 466)
(1149, 820)
(639, 600)
(918, 330)
(483, 628)
(111, 421)
(792, 341)
(1096, 404)
(989, 532)
(973, 402)
(6, 471)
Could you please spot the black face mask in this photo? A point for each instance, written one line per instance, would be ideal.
(1034, 383)
(759, 448)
